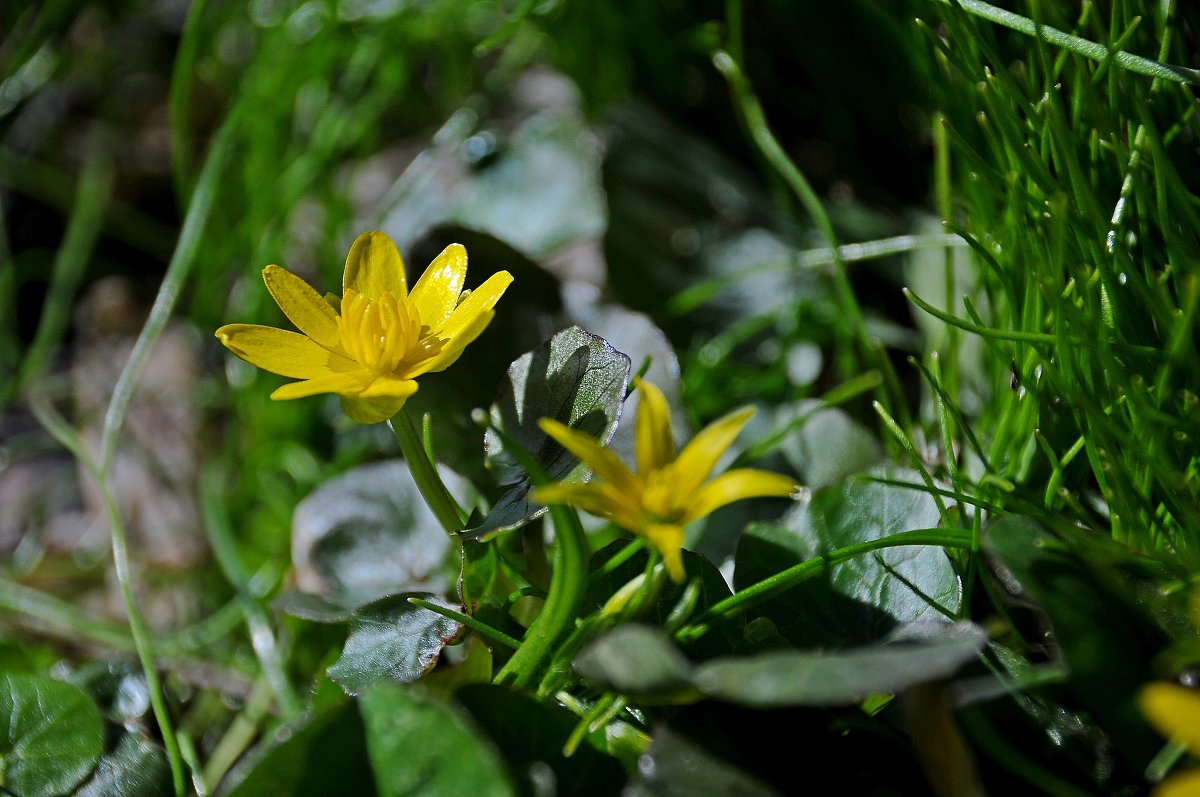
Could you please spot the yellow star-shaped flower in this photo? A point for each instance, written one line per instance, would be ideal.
(668, 491)
(369, 348)
(1175, 711)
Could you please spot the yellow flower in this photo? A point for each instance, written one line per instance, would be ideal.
(668, 492)
(1175, 711)
(370, 347)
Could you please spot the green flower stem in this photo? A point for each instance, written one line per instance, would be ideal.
(425, 473)
(481, 628)
(568, 581)
(568, 585)
(781, 582)
(241, 734)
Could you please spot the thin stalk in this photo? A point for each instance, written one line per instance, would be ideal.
(478, 626)
(83, 229)
(169, 291)
(179, 100)
(69, 438)
(425, 474)
(1080, 46)
(262, 635)
(779, 583)
(567, 589)
(568, 581)
(760, 133)
(241, 733)
(62, 618)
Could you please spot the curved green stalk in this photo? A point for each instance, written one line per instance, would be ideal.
(780, 582)
(425, 473)
(168, 291)
(568, 586)
(64, 434)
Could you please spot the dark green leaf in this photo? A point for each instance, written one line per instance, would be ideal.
(135, 768)
(863, 598)
(118, 688)
(308, 606)
(640, 661)
(322, 754)
(1107, 643)
(914, 654)
(367, 533)
(51, 735)
(394, 640)
(530, 734)
(830, 445)
(677, 766)
(548, 162)
(422, 747)
(575, 378)
(637, 660)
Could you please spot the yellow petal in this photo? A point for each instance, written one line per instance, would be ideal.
(700, 456)
(595, 499)
(282, 352)
(303, 306)
(389, 387)
(452, 349)
(374, 266)
(735, 485)
(668, 539)
(374, 410)
(348, 383)
(603, 461)
(1185, 784)
(1175, 711)
(481, 300)
(436, 292)
(653, 440)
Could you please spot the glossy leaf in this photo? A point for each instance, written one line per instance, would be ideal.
(829, 446)
(861, 599)
(576, 378)
(531, 734)
(322, 754)
(391, 639)
(678, 766)
(423, 747)
(637, 660)
(136, 767)
(367, 533)
(915, 653)
(51, 735)
(1105, 639)
(641, 661)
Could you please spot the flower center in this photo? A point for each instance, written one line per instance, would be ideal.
(385, 335)
(661, 502)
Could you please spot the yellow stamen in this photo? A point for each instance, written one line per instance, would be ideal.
(384, 335)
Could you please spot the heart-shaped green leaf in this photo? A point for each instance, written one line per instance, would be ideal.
(861, 599)
(915, 653)
(423, 747)
(640, 661)
(576, 378)
(136, 767)
(368, 533)
(391, 639)
(51, 735)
